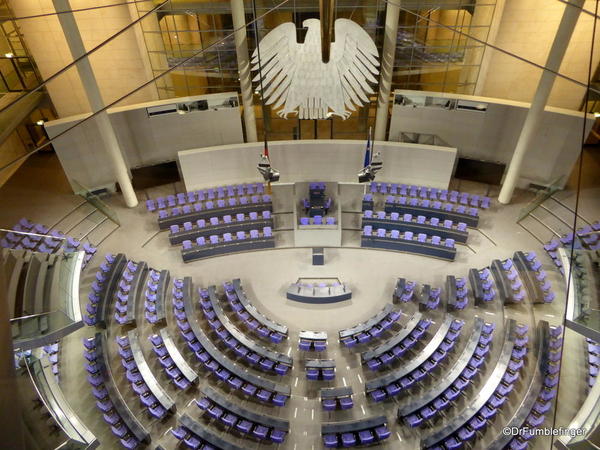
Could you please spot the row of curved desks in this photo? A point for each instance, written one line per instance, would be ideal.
(471, 221)
(227, 247)
(136, 291)
(392, 342)
(450, 376)
(527, 275)
(110, 287)
(414, 363)
(146, 373)
(502, 282)
(483, 396)
(221, 228)
(241, 337)
(126, 414)
(431, 230)
(185, 369)
(78, 435)
(409, 246)
(261, 419)
(476, 286)
(541, 354)
(363, 327)
(205, 434)
(251, 309)
(165, 223)
(216, 354)
(161, 294)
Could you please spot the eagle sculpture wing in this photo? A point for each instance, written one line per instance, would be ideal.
(295, 79)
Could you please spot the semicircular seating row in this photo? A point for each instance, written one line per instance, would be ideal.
(27, 235)
(430, 193)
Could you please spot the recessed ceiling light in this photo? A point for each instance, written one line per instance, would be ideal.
(8, 55)
(40, 122)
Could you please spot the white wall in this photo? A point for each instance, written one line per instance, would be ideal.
(317, 160)
(144, 140)
(492, 135)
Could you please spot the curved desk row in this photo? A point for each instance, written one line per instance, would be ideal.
(205, 435)
(221, 228)
(442, 214)
(502, 282)
(408, 246)
(483, 396)
(142, 365)
(364, 327)
(251, 309)
(240, 337)
(197, 252)
(428, 228)
(318, 294)
(178, 359)
(17, 260)
(136, 291)
(415, 321)
(450, 376)
(161, 295)
(476, 286)
(541, 353)
(527, 275)
(268, 421)
(402, 378)
(215, 354)
(119, 404)
(109, 288)
(206, 213)
(355, 432)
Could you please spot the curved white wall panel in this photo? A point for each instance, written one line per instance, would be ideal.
(317, 160)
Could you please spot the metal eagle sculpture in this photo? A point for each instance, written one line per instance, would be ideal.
(296, 80)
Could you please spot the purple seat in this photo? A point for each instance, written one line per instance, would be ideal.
(254, 234)
(435, 240)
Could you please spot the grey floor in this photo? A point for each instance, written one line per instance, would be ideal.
(371, 275)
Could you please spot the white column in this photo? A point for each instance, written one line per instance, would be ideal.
(241, 49)
(530, 127)
(92, 91)
(392, 14)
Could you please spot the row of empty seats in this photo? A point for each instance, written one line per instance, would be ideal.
(253, 319)
(245, 348)
(241, 419)
(405, 291)
(457, 378)
(431, 193)
(312, 341)
(27, 235)
(396, 347)
(370, 329)
(142, 380)
(217, 363)
(181, 232)
(419, 367)
(104, 288)
(317, 220)
(227, 243)
(51, 351)
(123, 422)
(155, 293)
(320, 369)
(336, 398)
(130, 286)
(211, 208)
(419, 224)
(536, 401)
(467, 424)
(421, 244)
(587, 237)
(196, 436)
(170, 359)
(370, 430)
(593, 357)
(183, 198)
